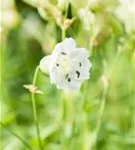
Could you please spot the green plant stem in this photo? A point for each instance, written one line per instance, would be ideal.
(103, 101)
(35, 110)
(55, 126)
(66, 9)
(68, 120)
(85, 133)
(101, 112)
(63, 34)
(17, 136)
(69, 116)
(65, 16)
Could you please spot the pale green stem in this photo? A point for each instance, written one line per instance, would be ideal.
(55, 126)
(66, 8)
(103, 101)
(85, 134)
(101, 112)
(69, 112)
(35, 110)
(68, 119)
(63, 34)
(133, 61)
(114, 62)
(89, 44)
(17, 136)
(65, 16)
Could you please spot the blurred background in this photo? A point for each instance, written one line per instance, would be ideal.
(29, 30)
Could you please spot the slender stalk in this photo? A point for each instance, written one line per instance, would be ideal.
(68, 120)
(55, 126)
(133, 90)
(103, 101)
(101, 111)
(17, 136)
(63, 34)
(65, 16)
(85, 134)
(35, 110)
(66, 9)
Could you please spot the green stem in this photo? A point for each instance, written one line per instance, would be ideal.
(56, 125)
(65, 16)
(103, 101)
(66, 9)
(17, 136)
(101, 112)
(63, 34)
(35, 110)
(85, 133)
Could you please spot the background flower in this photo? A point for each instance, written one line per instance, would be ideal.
(126, 13)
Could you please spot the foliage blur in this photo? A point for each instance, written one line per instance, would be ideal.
(29, 30)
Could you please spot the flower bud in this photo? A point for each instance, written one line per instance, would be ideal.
(67, 23)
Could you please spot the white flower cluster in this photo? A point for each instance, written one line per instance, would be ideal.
(67, 66)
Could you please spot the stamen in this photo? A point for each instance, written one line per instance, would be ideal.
(78, 74)
(80, 64)
(57, 65)
(69, 79)
(63, 53)
(66, 76)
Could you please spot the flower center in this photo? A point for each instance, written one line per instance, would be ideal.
(64, 63)
(67, 67)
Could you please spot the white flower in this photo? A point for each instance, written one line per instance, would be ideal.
(68, 66)
(87, 17)
(126, 13)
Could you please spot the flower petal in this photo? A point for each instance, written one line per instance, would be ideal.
(57, 50)
(45, 63)
(65, 46)
(56, 76)
(74, 85)
(68, 44)
(79, 53)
